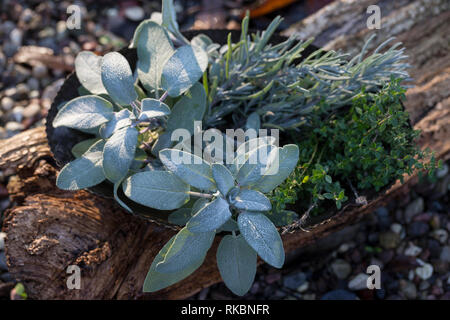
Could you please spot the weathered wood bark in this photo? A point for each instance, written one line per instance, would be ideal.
(49, 229)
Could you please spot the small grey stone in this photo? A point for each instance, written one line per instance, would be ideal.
(413, 209)
(13, 126)
(134, 13)
(413, 250)
(2, 240)
(17, 113)
(445, 254)
(32, 110)
(39, 71)
(408, 289)
(16, 36)
(359, 282)
(441, 235)
(293, 281)
(440, 173)
(418, 229)
(389, 240)
(7, 103)
(3, 266)
(33, 84)
(425, 271)
(341, 268)
(424, 285)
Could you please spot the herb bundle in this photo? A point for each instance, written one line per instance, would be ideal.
(341, 118)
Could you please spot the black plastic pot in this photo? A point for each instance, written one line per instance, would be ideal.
(62, 139)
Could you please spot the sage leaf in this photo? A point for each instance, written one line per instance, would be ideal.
(242, 152)
(169, 19)
(152, 108)
(255, 165)
(181, 216)
(120, 120)
(236, 261)
(229, 226)
(163, 142)
(280, 165)
(154, 48)
(83, 172)
(86, 112)
(223, 178)
(81, 147)
(161, 190)
(119, 153)
(211, 217)
(199, 204)
(155, 280)
(187, 248)
(262, 236)
(191, 107)
(116, 197)
(183, 69)
(251, 200)
(117, 78)
(88, 71)
(189, 168)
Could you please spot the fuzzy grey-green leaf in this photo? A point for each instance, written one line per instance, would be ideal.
(86, 112)
(117, 78)
(187, 248)
(120, 120)
(155, 280)
(161, 190)
(210, 217)
(83, 172)
(189, 168)
(119, 152)
(152, 108)
(251, 200)
(262, 236)
(255, 165)
(181, 216)
(236, 261)
(88, 71)
(81, 147)
(183, 69)
(191, 107)
(279, 167)
(223, 178)
(154, 48)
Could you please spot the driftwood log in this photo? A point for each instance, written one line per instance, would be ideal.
(49, 229)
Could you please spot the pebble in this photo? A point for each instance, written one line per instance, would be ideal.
(441, 235)
(40, 71)
(440, 173)
(7, 103)
(445, 254)
(435, 222)
(17, 113)
(359, 282)
(424, 285)
(413, 250)
(397, 228)
(384, 220)
(341, 268)
(2, 240)
(408, 289)
(339, 295)
(32, 110)
(389, 240)
(413, 209)
(33, 84)
(418, 229)
(3, 266)
(293, 281)
(425, 271)
(134, 13)
(14, 126)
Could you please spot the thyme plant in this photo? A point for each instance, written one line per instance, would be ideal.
(341, 117)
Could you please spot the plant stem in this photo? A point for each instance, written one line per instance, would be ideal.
(164, 96)
(200, 195)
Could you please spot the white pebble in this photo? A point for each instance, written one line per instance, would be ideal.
(7, 103)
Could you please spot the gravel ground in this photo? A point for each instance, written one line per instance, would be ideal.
(408, 239)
